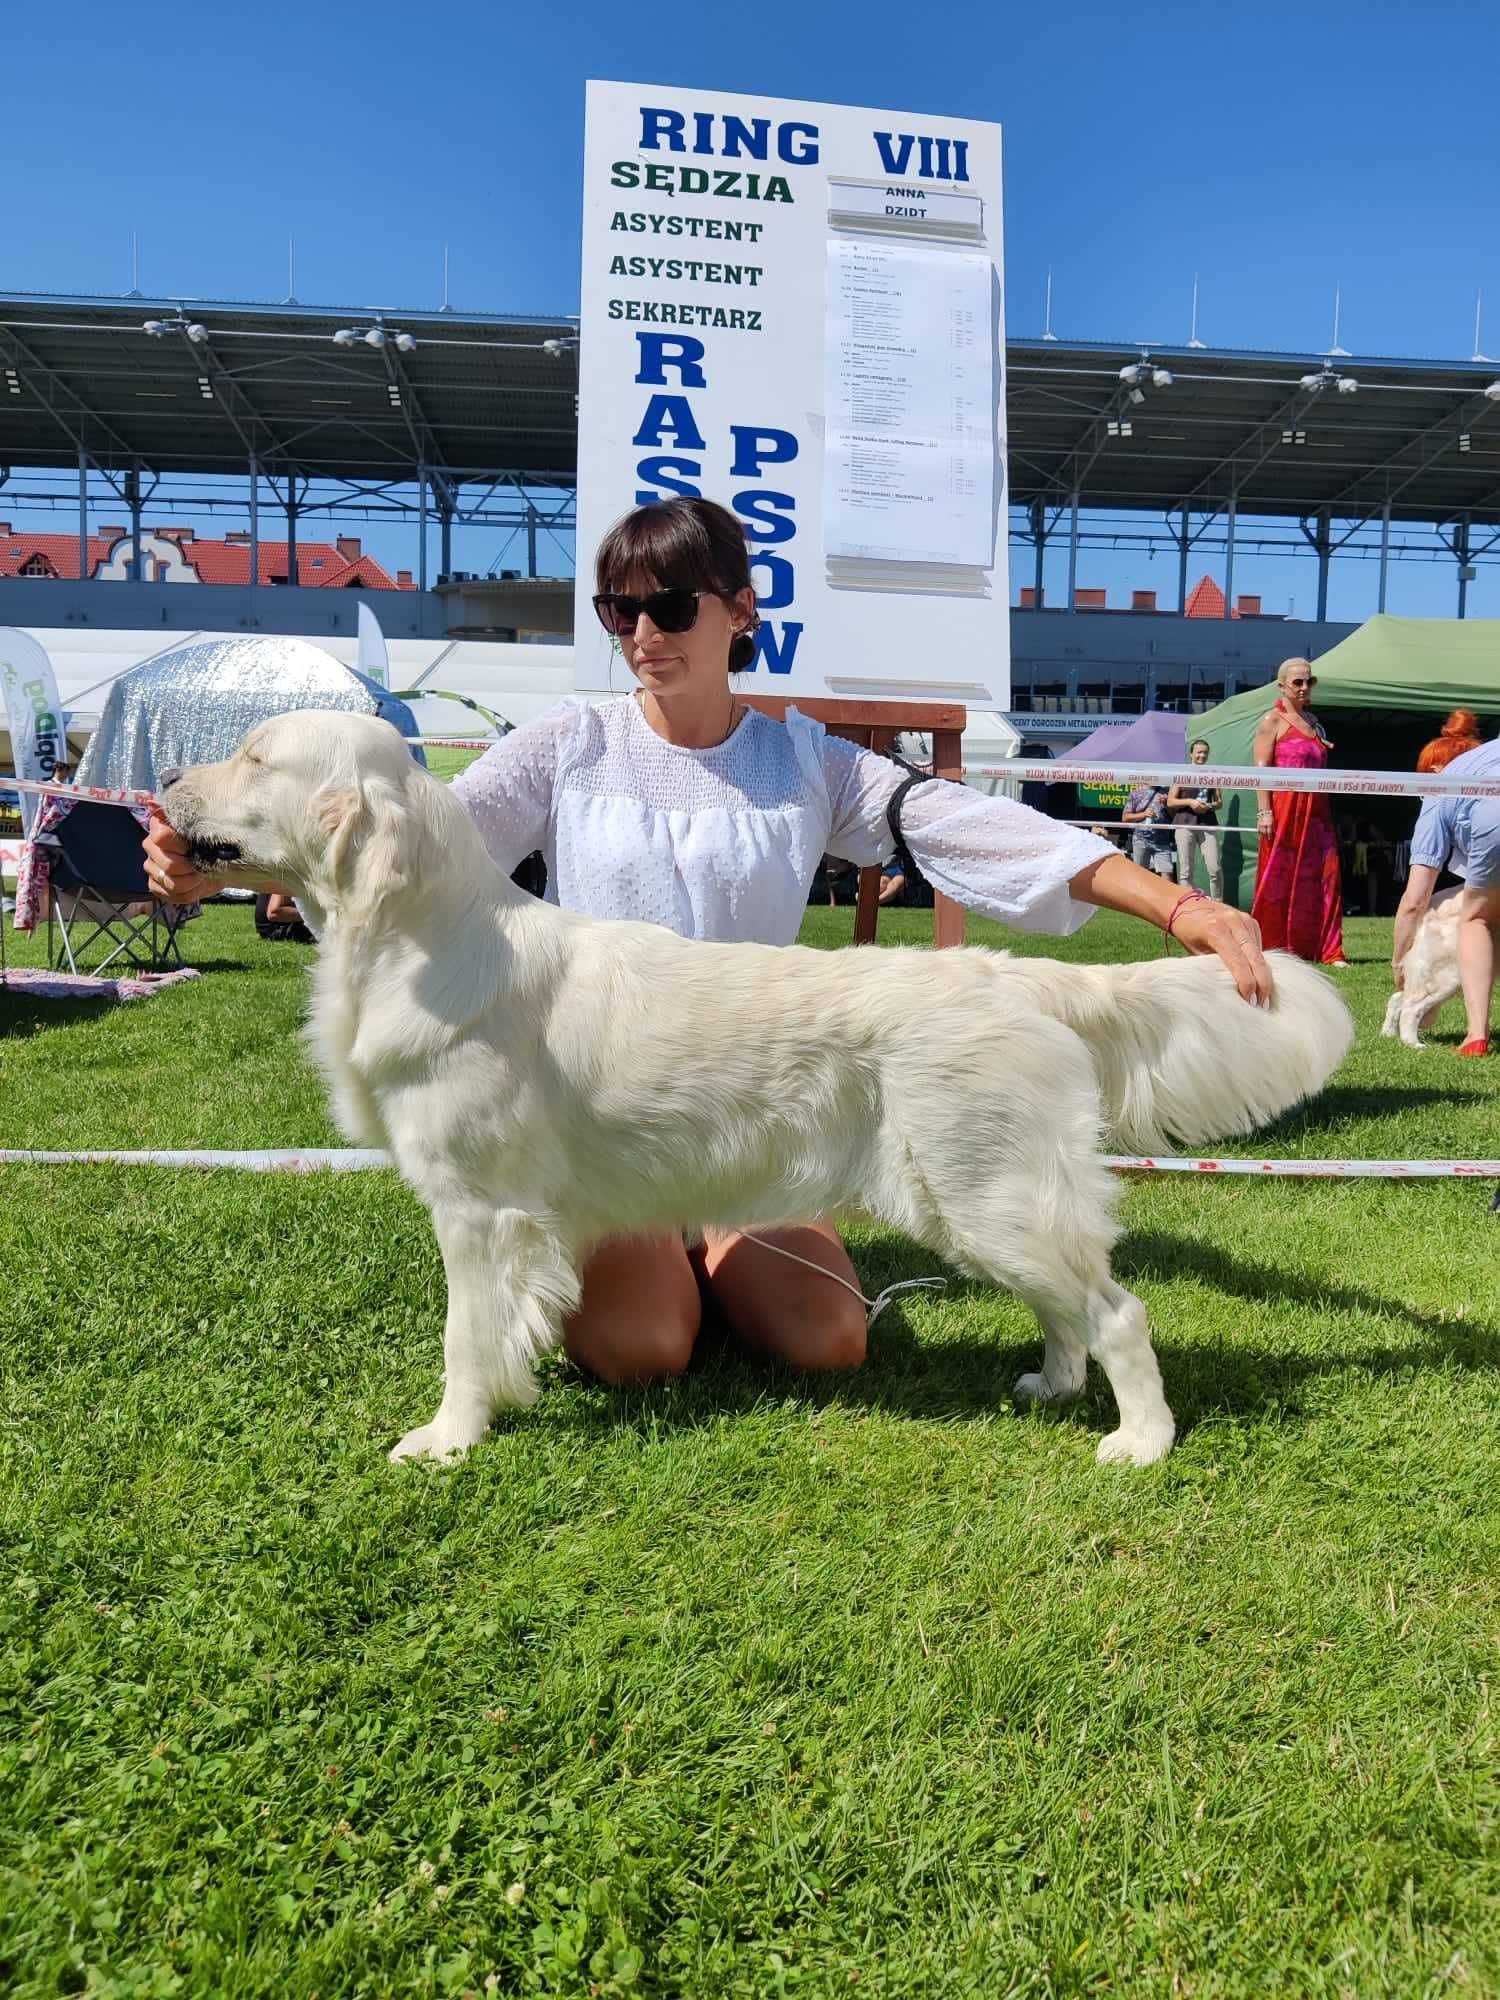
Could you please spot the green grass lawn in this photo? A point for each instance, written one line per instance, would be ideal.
(759, 1684)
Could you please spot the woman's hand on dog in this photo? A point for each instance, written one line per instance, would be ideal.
(170, 874)
(1207, 926)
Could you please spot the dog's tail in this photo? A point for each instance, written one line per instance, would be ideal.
(1181, 1059)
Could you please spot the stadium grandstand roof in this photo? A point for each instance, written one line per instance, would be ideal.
(189, 385)
(192, 385)
(1284, 434)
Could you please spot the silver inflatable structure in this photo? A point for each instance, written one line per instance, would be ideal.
(192, 704)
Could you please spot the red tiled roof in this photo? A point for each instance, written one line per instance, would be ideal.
(1206, 600)
(320, 565)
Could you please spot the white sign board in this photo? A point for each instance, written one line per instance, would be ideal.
(796, 309)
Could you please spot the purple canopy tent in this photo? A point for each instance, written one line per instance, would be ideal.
(1159, 737)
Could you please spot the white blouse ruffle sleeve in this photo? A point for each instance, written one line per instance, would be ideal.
(995, 856)
(723, 842)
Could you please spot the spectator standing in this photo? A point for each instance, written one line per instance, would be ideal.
(1194, 811)
(1299, 899)
(1151, 844)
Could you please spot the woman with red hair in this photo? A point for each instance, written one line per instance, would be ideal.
(1458, 734)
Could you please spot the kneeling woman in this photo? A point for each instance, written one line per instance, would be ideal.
(678, 805)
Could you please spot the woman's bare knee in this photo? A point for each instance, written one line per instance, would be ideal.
(818, 1338)
(837, 1343)
(635, 1354)
(790, 1293)
(639, 1316)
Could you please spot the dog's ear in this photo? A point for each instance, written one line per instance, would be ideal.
(366, 831)
(339, 811)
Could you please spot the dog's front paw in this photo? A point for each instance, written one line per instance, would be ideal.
(440, 1439)
(1040, 1388)
(1143, 1446)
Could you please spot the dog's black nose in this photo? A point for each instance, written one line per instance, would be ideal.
(165, 780)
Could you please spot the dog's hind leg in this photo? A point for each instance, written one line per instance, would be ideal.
(1106, 1321)
(1422, 1007)
(1117, 1336)
(1056, 1260)
(510, 1283)
(1064, 1362)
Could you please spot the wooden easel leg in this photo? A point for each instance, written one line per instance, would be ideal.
(947, 921)
(867, 906)
(947, 762)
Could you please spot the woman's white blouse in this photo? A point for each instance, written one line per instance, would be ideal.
(722, 843)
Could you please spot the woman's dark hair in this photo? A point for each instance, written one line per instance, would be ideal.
(681, 545)
(1204, 741)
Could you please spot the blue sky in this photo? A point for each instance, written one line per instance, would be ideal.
(1273, 152)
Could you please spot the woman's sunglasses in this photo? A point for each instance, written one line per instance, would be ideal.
(1310, 681)
(668, 610)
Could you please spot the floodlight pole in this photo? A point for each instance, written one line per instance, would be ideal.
(1461, 551)
(422, 528)
(445, 533)
(1073, 553)
(1183, 545)
(254, 521)
(133, 499)
(83, 517)
(1039, 541)
(291, 528)
(1385, 551)
(1324, 548)
(1229, 514)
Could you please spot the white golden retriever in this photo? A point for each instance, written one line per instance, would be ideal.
(545, 1081)
(1429, 971)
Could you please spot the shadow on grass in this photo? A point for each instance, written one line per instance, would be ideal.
(24, 1014)
(972, 1376)
(1343, 1102)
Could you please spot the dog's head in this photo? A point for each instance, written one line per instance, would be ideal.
(325, 802)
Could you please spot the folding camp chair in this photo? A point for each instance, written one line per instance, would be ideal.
(97, 875)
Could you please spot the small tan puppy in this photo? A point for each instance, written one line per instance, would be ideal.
(1429, 972)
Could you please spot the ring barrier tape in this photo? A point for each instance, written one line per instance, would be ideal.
(456, 742)
(1246, 778)
(104, 795)
(1387, 784)
(359, 1159)
(306, 1160)
(1227, 777)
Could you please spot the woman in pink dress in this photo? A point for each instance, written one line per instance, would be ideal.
(1299, 898)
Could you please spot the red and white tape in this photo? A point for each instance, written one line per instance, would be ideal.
(302, 1160)
(358, 1159)
(1245, 778)
(1223, 777)
(104, 795)
(457, 742)
(1317, 1170)
(1226, 777)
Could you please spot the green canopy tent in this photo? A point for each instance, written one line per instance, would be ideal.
(1381, 695)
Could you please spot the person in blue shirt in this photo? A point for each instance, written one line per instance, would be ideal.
(1463, 835)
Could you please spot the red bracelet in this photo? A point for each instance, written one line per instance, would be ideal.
(1189, 896)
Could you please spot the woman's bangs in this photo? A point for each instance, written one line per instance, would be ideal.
(667, 549)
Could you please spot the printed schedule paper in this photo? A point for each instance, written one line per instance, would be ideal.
(909, 465)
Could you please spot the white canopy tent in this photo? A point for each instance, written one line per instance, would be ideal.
(515, 682)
